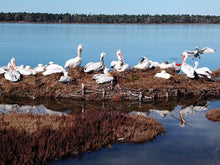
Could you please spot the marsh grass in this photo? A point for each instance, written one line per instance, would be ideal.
(35, 139)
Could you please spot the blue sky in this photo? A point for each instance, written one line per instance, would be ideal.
(201, 7)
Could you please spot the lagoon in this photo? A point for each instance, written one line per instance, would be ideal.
(195, 143)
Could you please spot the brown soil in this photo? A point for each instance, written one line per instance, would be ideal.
(130, 85)
(213, 114)
(35, 139)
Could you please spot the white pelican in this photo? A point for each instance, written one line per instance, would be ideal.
(197, 51)
(186, 68)
(121, 66)
(11, 74)
(3, 69)
(39, 68)
(166, 65)
(162, 113)
(74, 62)
(95, 66)
(154, 64)
(204, 71)
(163, 74)
(144, 63)
(120, 58)
(26, 70)
(53, 68)
(103, 78)
(66, 77)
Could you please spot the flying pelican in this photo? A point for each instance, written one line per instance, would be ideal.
(163, 74)
(120, 58)
(204, 71)
(11, 74)
(144, 63)
(53, 68)
(66, 77)
(196, 53)
(74, 62)
(95, 66)
(103, 78)
(186, 68)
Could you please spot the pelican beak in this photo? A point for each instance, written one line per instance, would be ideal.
(178, 64)
(109, 74)
(183, 59)
(14, 64)
(121, 56)
(12, 68)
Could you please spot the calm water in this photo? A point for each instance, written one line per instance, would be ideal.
(195, 143)
(31, 44)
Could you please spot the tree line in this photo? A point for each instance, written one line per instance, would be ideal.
(102, 18)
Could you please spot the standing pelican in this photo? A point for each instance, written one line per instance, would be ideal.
(196, 53)
(74, 62)
(204, 71)
(103, 78)
(95, 66)
(53, 68)
(144, 63)
(186, 68)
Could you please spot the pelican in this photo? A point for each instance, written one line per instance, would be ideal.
(186, 68)
(196, 53)
(144, 63)
(166, 65)
(39, 68)
(66, 77)
(204, 71)
(26, 70)
(163, 74)
(11, 74)
(154, 64)
(103, 78)
(120, 58)
(95, 66)
(53, 68)
(162, 113)
(74, 62)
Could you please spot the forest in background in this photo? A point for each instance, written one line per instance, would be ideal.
(102, 18)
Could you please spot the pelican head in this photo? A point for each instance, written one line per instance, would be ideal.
(13, 62)
(120, 57)
(80, 47)
(103, 54)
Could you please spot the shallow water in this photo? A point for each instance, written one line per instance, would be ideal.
(196, 142)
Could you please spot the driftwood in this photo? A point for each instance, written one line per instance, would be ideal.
(129, 85)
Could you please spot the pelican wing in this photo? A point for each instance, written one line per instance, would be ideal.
(74, 62)
(206, 50)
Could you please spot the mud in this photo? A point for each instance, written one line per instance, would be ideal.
(213, 114)
(129, 85)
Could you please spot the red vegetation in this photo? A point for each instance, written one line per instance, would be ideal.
(35, 139)
(213, 114)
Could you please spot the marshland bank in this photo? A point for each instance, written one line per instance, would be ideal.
(128, 85)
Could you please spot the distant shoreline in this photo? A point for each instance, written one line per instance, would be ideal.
(25, 22)
(108, 19)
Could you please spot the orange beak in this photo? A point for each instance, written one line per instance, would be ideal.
(121, 56)
(109, 74)
(13, 68)
(178, 64)
(183, 59)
